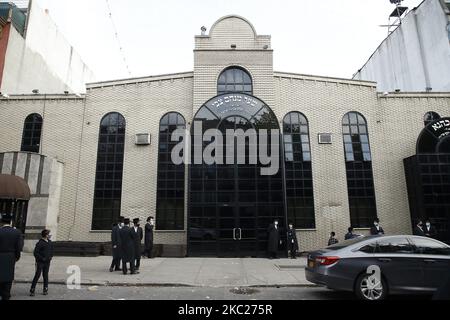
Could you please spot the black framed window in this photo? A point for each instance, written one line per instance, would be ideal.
(430, 116)
(234, 79)
(298, 171)
(31, 136)
(109, 171)
(170, 185)
(358, 161)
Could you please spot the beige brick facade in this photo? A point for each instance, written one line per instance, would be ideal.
(71, 128)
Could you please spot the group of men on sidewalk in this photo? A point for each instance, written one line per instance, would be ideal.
(126, 244)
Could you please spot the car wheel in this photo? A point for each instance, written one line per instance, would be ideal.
(368, 288)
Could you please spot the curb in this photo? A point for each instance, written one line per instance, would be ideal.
(119, 284)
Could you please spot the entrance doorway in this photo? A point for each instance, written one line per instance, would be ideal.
(231, 205)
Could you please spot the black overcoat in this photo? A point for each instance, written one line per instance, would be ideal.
(148, 241)
(137, 238)
(127, 243)
(43, 251)
(273, 238)
(374, 231)
(292, 236)
(11, 244)
(115, 241)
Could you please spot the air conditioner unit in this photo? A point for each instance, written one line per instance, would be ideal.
(142, 139)
(325, 138)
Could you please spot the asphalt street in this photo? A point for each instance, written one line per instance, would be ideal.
(60, 292)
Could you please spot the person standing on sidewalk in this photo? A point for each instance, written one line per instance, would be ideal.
(376, 229)
(418, 229)
(116, 247)
(138, 234)
(274, 239)
(292, 241)
(127, 246)
(43, 252)
(148, 241)
(430, 231)
(11, 245)
(332, 239)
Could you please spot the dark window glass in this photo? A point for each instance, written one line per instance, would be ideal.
(395, 245)
(170, 193)
(370, 248)
(234, 79)
(431, 247)
(108, 178)
(430, 117)
(358, 161)
(31, 137)
(297, 158)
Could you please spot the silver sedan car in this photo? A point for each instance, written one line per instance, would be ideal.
(375, 266)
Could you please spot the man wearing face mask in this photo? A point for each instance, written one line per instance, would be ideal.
(292, 241)
(11, 244)
(43, 252)
(148, 242)
(430, 231)
(418, 230)
(274, 239)
(116, 247)
(376, 228)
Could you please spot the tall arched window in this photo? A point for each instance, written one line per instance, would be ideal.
(170, 194)
(234, 79)
(31, 136)
(108, 177)
(430, 116)
(358, 161)
(297, 162)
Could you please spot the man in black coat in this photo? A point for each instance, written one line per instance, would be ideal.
(43, 253)
(116, 247)
(138, 234)
(11, 244)
(418, 229)
(292, 241)
(376, 229)
(127, 246)
(273, 239)
(148, 240)
(430, 230)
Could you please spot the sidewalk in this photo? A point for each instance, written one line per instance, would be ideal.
(198, 272)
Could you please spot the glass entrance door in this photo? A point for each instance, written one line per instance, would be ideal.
(232, 204)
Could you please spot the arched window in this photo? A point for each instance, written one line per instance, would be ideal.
(31, 136)
(430, 116)
(170, 193)
(234, 79)
(297, 162)
(108, 177)
(358, 161)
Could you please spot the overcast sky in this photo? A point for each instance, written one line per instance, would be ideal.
(321, 37)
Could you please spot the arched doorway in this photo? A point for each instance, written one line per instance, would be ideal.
(14, 197)
(232, 203)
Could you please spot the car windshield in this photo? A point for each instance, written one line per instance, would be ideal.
(347, 243)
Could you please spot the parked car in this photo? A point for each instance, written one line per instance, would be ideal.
(407, 264)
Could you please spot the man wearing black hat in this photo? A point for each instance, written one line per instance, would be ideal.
(376, 229)
(148, 241)
(138, 234)
(11, 244)
(116, 247)
(127, 246)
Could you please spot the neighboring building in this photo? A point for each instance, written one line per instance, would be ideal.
(35, 55)
(341, 162)
(416, 56)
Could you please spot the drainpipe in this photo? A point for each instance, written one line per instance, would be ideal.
(422, 54)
